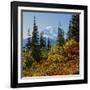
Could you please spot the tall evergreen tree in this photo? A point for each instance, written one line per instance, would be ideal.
(28, 44)
(74, 27)
(42, 41)
(60, 37)
(48, 44)
(35, 42)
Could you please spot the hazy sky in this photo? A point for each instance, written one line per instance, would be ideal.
(46, 22)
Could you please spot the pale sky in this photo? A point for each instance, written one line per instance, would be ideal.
(46, 22)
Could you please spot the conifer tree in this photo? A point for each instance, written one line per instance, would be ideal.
(60, 37)
(28, 44)
(74, 27)
(48, 44)
(42, 41)
(35, 42)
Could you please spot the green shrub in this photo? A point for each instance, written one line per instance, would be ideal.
(44, 53)
(56, 54)
(27, 59)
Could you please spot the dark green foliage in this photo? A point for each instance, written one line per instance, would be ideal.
(42, 41)
(29, 63)
(48, 44)
(28, 44)
(74, 27)
(43, 49)
(35, 43)
(60, 37)
(44, 53)
(36, 53)
(27, 59)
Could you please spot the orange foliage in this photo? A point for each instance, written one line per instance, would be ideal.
(61, 61)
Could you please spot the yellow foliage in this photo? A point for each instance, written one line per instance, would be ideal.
(56, 58)
(56, 54)
(69, 43)
(62, 60)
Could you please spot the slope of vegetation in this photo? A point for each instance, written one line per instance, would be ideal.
(61, 59)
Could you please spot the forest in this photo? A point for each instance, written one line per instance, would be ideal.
(40, 58)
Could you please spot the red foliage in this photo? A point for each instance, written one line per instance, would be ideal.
(73, 49)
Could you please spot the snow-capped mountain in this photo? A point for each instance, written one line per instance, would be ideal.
(48, 32)
(52, 42)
